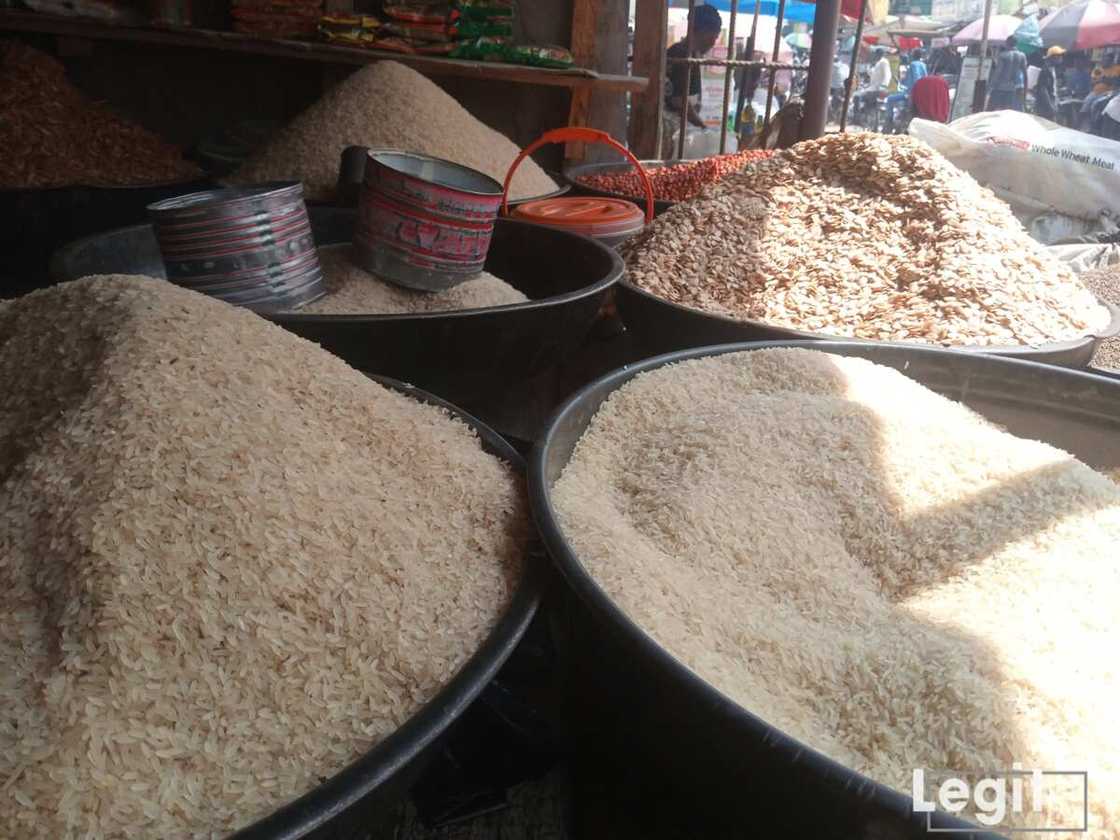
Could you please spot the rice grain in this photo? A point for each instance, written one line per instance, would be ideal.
(229, 563)
(387, 105)
(1104, 282)
(870, 567)
(352, 291)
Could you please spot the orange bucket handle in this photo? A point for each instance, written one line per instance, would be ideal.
(581, 135)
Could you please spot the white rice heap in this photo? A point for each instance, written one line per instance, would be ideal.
(390, 106)
(229, 563)
(866, 565)
(353, 291)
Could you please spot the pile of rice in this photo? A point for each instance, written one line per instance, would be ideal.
(866, 236)
(1104, 282)
(870, 567)
(387, 105)
(353, 291)
(229, 563)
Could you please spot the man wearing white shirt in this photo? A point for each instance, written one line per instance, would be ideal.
(880, 76)
(879, 79)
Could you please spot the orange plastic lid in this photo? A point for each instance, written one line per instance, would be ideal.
(587, 215)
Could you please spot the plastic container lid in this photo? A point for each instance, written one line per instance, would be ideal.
(587, 215)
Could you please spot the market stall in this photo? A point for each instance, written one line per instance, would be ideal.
(391, 483)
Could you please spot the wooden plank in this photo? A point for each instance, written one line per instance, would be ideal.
(612, 55)
(576, 78)
(585, 16)
(650, 34)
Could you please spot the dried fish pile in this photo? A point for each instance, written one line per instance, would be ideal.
(52, 136)
(1105, 284)
(865, 236)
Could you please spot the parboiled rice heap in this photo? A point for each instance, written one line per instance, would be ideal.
(870, 567)
(352, 290)
(866, 236)
(229, 563)
(387, 105)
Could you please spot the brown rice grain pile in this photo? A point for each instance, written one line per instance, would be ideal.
(870, 567)
(1105, 284)
(351, 291)
(387, 105)
(866, 236)
(229, 563)
(54, 136)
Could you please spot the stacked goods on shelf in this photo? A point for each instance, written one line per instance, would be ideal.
(277, 18)
(865, 565)
(864, 236)
(231, 563)
(53, 136)
(483, 29)
(417, 27)
(387, 105)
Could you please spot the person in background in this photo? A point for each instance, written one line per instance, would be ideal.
(1046, 88)
(915, 70)
(878, 80)
(840, 72)
(930, 99)
(706, 25)
(1105, 77)
(1078, 79)
(1008, 82)
(1106, 80)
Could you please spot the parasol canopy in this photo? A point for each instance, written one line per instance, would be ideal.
(1000, 29)
(1082, 26)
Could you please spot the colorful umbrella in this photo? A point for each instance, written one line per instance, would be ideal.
(1082, 26)
(1000, 29)
(1027, 36)
(799, 40)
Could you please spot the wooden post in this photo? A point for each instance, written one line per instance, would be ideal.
(818, 88)
(585, 15)
(851, 85)
(651, 25)
(980, 92)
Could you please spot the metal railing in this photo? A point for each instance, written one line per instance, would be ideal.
(773, 66)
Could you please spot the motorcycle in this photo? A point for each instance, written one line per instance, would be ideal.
(864, 110)
(899, 122)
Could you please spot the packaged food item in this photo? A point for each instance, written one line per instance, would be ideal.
(420, 33)
(482, 49)
(467, 29)
(537, 55)
(418, 12)
(485, 9)
(393, 44)
(349, 30)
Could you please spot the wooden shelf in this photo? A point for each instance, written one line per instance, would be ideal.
(19, 21)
